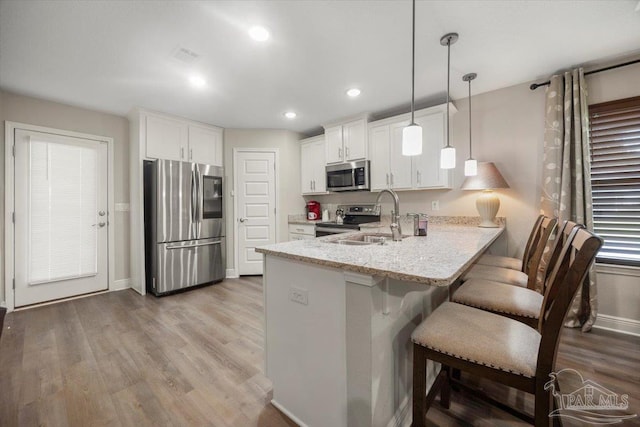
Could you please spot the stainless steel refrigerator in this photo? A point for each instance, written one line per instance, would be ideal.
(184, 225)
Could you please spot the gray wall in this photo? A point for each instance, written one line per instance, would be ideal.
(508, 129)
(33, 111)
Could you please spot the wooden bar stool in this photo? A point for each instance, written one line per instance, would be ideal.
(528, 275)
(499, 348)
(516, 263)
(522, 304)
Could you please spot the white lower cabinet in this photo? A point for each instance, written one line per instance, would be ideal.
(312, 165)
(302, 231)
(390, 169)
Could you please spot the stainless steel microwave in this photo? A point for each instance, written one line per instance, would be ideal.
(350, 176)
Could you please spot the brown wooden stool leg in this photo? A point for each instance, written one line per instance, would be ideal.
(419, 386)
(445, 392)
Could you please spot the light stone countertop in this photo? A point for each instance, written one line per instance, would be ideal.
(437, 259)
(301, 219)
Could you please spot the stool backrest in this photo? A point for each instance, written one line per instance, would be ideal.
(547, 225)
(531, 242)
(569, 272)
(550, 258)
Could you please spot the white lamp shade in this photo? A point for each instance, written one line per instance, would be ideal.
(471, 167)
(412, 140)
(448, 158)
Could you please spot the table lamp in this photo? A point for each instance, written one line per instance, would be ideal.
(487, 179)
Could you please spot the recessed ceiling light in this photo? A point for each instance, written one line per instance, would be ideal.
(258, 33)
(197, 81)
(290, 115)
(353, 92)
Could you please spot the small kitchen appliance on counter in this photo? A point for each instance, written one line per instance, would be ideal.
(313, 210)
(352, 216)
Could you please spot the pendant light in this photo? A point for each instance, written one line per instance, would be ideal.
(471, 165)
(448, 153)
(412, 134)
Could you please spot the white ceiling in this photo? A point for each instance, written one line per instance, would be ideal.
(114, 55)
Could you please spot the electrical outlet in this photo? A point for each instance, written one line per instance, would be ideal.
(301, 296)
(435, 205)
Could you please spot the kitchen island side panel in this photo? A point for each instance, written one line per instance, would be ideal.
(306, 343)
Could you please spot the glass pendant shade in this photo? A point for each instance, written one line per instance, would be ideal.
(448, 158)
(471, 167)
(412, 140)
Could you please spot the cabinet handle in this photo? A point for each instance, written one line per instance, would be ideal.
(418, 176)
(346, 150)
(340, 152)
(182, 152)
(190, 153)
(391, 179)
(387, 179)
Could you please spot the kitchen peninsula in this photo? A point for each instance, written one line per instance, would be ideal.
(339, 315)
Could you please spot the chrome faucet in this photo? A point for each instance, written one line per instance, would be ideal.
(396, 230)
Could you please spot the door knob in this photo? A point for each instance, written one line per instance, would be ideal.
(243, 219)
(102, 213)
(100, 224)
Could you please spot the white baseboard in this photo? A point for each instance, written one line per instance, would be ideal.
(288, 414)
(618, 324)
(121, 284)
(232, 273)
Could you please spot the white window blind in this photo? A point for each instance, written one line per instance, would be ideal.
(615, 178)
(62, 212)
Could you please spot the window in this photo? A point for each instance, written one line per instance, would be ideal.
(615, 178)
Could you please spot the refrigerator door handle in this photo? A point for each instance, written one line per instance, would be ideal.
(195, 245)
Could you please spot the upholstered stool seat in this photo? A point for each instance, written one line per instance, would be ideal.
(497, 274)
(501, 261)
(513, 301)
(480, 337)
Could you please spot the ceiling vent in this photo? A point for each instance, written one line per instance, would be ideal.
(185, 55)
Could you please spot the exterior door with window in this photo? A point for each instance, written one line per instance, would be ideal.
(61, 218)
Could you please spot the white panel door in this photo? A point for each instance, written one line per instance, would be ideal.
(205, 145)
(256, 202)
(61, 222)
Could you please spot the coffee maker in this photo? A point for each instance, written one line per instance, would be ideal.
(313, 210)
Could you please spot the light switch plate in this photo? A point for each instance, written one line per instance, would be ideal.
(435, 205)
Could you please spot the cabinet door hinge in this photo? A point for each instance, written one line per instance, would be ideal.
(14, 283)
(13, 150)
(13, 217)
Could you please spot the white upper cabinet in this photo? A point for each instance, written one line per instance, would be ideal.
(346, 142)
(400, 167)
(312, 165)
(205, 145)
(427, 172)
(166, 138)
(390, 169)
(177, 139)
(379, 141)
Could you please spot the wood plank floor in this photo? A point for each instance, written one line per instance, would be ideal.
(195, 359)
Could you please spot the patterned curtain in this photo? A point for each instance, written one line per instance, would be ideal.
(566, 188)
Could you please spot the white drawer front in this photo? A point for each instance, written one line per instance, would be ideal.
(308, 229)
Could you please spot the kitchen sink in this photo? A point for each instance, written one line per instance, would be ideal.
(363, 239)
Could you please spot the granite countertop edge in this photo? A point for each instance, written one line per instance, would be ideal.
(376, 271)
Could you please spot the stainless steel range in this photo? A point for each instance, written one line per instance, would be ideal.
(350, 218)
